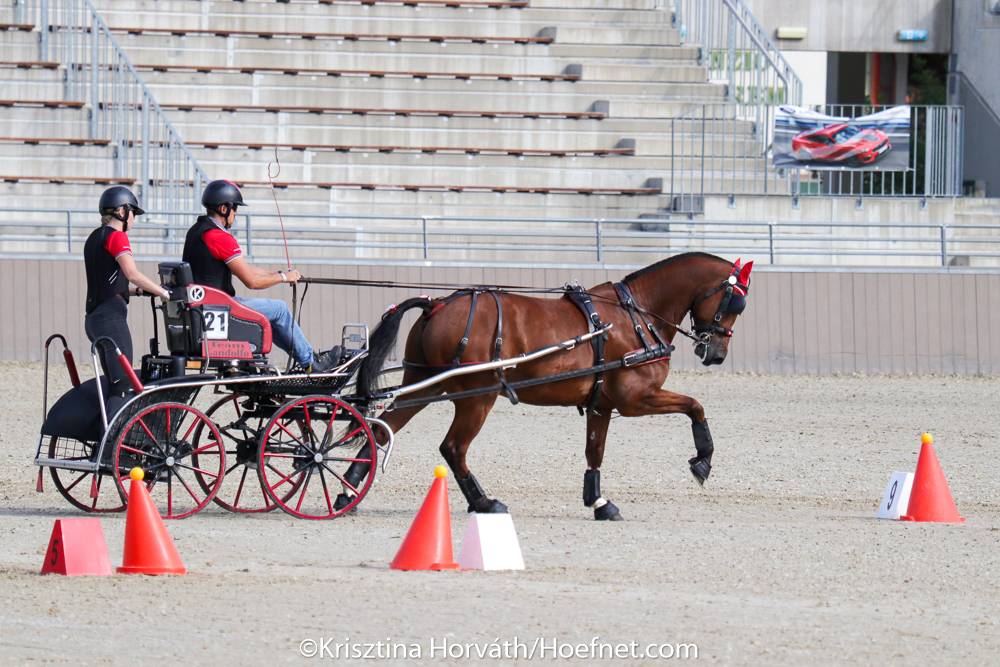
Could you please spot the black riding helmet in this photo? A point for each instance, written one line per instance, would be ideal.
(114, 198)
(221, 193)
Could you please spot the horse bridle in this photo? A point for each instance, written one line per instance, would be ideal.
(734, 302)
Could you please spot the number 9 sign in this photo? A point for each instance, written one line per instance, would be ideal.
(896, 498)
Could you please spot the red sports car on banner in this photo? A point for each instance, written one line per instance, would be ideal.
(845, 143)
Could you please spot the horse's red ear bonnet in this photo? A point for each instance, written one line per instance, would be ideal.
(743, 281)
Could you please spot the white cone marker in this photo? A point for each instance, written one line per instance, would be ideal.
(490, 543)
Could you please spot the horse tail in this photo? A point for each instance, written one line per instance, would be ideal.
(382, 341)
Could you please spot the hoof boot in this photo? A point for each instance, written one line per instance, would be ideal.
(608, 512)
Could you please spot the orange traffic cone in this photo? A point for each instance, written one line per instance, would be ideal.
(930, 499)
(148, 546)
(427, 546)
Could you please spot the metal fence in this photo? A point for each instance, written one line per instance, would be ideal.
(726, 149)
(505, 241)
(147, 151)
(737, 50)
(934, 168)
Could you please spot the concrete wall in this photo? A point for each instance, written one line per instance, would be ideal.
(977, 48)
(812, 68)
(977, 88)
(859, 25)
(814, 322)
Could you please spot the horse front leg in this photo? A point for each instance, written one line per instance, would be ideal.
(661, 402)
(597, 433)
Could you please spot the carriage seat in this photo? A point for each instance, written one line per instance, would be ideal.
(205, 322)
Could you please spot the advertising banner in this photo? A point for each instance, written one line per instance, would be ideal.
(807, 139)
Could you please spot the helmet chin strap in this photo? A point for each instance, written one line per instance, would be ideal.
(121, 218)
(225, 216)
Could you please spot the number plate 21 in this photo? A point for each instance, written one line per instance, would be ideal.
(216, 322)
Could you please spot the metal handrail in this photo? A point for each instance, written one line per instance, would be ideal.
(388, 239)
(729, 34)
(145, 145)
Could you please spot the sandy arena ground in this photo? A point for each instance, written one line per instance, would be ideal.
(778, 560)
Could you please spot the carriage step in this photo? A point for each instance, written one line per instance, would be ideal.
(63, 464)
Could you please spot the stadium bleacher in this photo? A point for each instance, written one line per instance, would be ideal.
(558, 108)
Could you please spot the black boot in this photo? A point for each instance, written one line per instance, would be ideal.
(478, 502)
(701, 465)
(604, 509)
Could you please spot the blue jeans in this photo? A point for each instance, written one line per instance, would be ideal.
(286, 333)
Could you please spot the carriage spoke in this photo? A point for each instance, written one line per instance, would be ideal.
(308, 421)
(235, 465)
(290, 434)
(199, 470)
(285, 478)
(305, 488)
(194, 423)
(187, 488)
(152, 437)
(345, 439)
(274, 470)
(326, 493)
(76, 481)
(170, 495)
(239, 489)
(211, 445)
(333, 416)
(341, 479)
(139, 451)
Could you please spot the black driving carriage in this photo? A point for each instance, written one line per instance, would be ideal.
(211, 419)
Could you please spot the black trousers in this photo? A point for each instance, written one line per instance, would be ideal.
(110, 319)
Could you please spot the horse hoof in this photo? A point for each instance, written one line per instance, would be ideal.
(608, 512)
(488, 506)
(700, 468)
(342, 501)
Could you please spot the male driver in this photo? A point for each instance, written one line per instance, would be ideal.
(215, 256)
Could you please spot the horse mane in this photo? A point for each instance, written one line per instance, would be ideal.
(670, 260)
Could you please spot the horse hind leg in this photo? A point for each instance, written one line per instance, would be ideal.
(470, 414)
(597, 433)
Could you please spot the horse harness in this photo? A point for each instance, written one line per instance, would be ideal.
(474, 293)
(652, 350)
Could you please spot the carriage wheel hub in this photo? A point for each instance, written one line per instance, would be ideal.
(170, 462)
(317, 457)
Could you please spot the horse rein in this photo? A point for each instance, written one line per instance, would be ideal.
(699, 333)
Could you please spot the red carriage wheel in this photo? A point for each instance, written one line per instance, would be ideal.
(79, 486)
(159, 439)
(310, 444)
(241, 489)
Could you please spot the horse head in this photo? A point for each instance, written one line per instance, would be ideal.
(715, 310)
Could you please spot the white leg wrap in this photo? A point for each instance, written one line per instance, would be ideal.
(599, 503)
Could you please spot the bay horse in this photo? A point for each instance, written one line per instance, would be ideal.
(644, 316)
